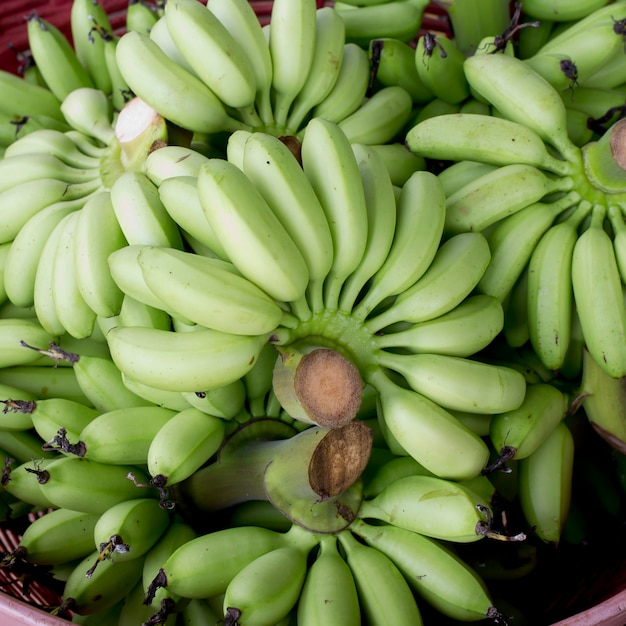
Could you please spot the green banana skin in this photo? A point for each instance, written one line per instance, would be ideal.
(52, 414)
(59, 536)
(545, 484)
(379, 583)
(13, 417)
(25, 481)
(405, 503)
(432, 570)
(89, 486)
(22, 98)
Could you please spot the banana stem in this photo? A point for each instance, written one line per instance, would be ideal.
(605, 159)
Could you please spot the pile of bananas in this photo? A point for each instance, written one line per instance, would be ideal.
(293, 317)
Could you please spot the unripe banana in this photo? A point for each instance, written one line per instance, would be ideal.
(52, 414)
(550, 297)
(106, 587)
(89, 486)
(170, 89)
(379, 584)
(458, 383)
(464, 331)
(101, 382)
(484, 138)
(89, 111)
(201, 360)
(140, 16)
(170, 161)
(123, 436)
(460, 173)
(596, 282)
(381, 117)
(456, 269)
(420, 215)
(182, 445)
(15, 331)
(208, 291)
(16, 401)
(55, 58)
(203, 567)
(97, 234)
(439, 64)
(524, 429)
(350, 86)
(250, 233)
(429, 505)
(25, 479)
(560, 11)
(332, 169)
(263, 592)
(325, 66)
(329, 594)
(59, 536)
(521, 95)
(545, 484)
(139, 523)
(292, 46)
(228, 401)
(427, 432)
(432, 570)
(495, 195)
(22, 98)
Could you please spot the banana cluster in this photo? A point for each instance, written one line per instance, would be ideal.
(551, 210)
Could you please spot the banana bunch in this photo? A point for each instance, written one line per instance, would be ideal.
(550, 210)
(211, 69)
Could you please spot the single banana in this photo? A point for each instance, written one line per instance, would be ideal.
(183, 444)
(393, 63)
(521, 95)
(89, 486)
(140, 213)
(120, 91)
(14, 333)
(484, 138)
(333, 171)
(208, 291)
(101, 382)
(379, 584)
(239, 18)
(170, 89)
(456, 269)
(25, 480)
(427, 432)
(596, 282)
(545, 484)
(140, 16)
(54, 142)
(397, 19)
(87, 595)
(464, 331)
(249, 231)
(291, 46)
(325, 66)
(594, 102)
(429, 505)
(350, 86)
(167, 399)
(52, 414)
(519, 432)
(381, 223)
(329, 594)
(59, 536)
(562, 11)
(179, 196)
(215, 55)
(201, 360)
(228, 401)
(97, 234)
(56, 59)
(550, 296)
(135, 313)
(23, 98)
(122, 436)
(497, 194)
(513, 240)
(516, 328)
(434, 572)
(89, 111)
(267, 589)
(160, 35)
(138, 523)
(89, 26)
(459, 383)
(71, 308)
(380, 118)
(420, 215)
(170, 161)
(439, 64)
(399, 162)
(292, 199)
(204, 566)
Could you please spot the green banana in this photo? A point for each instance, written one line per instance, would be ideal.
(52, 414)
(25, 99)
